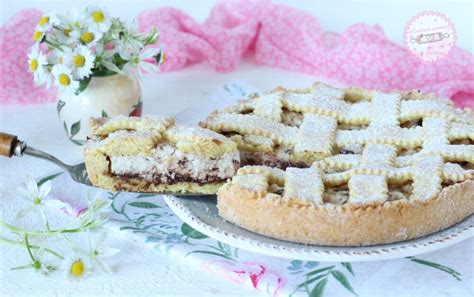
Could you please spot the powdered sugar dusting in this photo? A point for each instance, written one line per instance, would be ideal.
(269, 105)
(316, 134)
(304, 184)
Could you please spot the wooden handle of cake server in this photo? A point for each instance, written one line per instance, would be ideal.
(8, 144)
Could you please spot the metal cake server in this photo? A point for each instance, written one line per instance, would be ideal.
(11, 146)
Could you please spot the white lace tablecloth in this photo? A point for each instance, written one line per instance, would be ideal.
(144, 270)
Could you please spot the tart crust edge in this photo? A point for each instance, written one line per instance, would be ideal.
(334, 225)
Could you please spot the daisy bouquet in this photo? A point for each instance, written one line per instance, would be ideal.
(72, 48)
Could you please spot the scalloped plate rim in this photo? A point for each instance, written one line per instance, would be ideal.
(284, 249)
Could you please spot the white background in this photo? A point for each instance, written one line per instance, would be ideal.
(40, 127)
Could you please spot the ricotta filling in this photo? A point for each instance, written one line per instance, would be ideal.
(279, 158)
(168, 165)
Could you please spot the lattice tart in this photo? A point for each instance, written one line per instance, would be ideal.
(386, 167)
(153, 154)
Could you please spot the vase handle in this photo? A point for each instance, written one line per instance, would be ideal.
(10, 145)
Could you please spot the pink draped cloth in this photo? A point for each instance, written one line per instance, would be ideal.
(273, 35)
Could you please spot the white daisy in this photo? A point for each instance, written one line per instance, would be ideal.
(39, 34)
(76, 267)
(47, 21)
(87, 36)
(37, 197)
(98, 18)
(63, 78)
(81, 61)
(36, 64)
(63, 34)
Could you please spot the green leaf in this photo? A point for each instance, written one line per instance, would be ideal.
(128, 228)
(145, 195)
(83, 83)
(320, 270)
(210, 253)
(60, 105)
(309, 281)
(76, 141)
(295, 264)
(139, 104)
(75, 128)
(318, 290)
(191, 232)
(443, 268)
(113, 195)
(104, 114)
(151, 37)
(158, 58)
(343, 280)
(49, 177)
(153, 239)
(348, 266)
(144, 205)
(102, 72)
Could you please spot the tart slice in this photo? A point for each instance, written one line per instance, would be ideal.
(153, 154)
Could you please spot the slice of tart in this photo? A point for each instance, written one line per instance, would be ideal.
(153, 154)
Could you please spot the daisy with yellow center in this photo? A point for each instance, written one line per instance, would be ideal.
(86, 36)
(64, 35)
(80, 61)
(63, 78)
(36, 63)
(46, 22)
(76, 267)
(98, 18)
(38, 36)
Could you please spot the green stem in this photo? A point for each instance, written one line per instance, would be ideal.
(28, 248)
(43, 233)
(11, 228)
(52, 44)
(27, 266)
(21, 244)
(46, 223)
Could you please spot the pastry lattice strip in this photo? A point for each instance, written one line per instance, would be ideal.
(122, 135)
(366, 175)
(323, 107)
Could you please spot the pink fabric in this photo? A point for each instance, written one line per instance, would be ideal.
(275, 35)
(16, 83)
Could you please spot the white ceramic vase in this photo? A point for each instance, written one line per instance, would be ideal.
(103, 97)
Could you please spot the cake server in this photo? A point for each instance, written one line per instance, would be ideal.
(11, 146)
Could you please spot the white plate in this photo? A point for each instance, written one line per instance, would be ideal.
(201, 214)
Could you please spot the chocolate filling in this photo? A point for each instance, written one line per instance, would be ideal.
(171, 178)
(270, 160)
